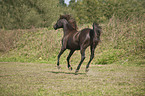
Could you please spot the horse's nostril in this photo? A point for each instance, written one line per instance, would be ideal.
(54, 27)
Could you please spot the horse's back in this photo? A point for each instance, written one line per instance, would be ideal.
(75, 40)
(85, 37)
(86, 30)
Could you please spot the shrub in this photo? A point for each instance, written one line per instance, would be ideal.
(23, 14)
(88, 11)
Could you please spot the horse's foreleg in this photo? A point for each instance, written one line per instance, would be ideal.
(60, 53)
(82, 59)
(70, 54)
(91, 58)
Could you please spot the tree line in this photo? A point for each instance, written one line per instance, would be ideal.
(88, 11)
(24, 14)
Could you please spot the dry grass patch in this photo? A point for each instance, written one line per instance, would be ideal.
(44, 79)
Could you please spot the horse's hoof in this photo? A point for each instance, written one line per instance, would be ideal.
(76, 73)
(70, 68)
(87, 70)
(58, 67)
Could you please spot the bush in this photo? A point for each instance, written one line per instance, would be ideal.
(23, 14)
(88, 11)
(109, 56)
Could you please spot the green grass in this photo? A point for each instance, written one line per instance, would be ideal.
(122, 42)
(35, 79)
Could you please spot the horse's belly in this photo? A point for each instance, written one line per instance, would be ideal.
(73, 46)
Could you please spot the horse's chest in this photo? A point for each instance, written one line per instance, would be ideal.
(71, 41)
(71, 44)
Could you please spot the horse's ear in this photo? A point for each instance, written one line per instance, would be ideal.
(61, 16)
(68, 16)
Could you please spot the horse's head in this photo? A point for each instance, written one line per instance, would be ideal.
(64, 18)
(59, 24)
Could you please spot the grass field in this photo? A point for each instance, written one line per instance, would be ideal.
(29, 79)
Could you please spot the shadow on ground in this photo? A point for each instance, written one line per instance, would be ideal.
(56, 72)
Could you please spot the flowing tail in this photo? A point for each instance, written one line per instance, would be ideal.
(95, 33)
(97, 30)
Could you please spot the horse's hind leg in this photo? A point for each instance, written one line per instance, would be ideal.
(82, 59)
(92, 48)
(70, 54)
(60, 53)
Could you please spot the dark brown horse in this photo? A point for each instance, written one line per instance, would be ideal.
(77, 40)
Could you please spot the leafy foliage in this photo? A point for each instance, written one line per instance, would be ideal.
(71, 2)
(21, 14)
(62, 2)
(89, 11)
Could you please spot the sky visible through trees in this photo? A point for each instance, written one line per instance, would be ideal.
(66, 1)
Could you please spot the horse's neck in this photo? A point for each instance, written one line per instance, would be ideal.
(66, 29)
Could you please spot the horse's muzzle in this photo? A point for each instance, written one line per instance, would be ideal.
(55, 27)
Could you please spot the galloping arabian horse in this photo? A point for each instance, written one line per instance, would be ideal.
(77, 40)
